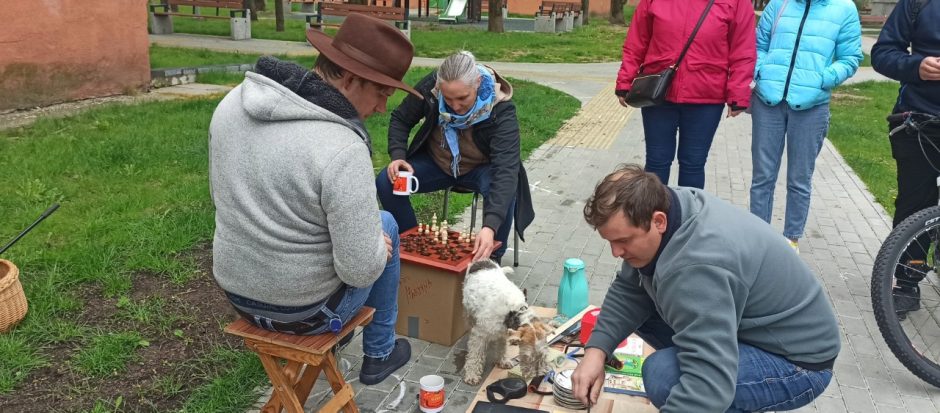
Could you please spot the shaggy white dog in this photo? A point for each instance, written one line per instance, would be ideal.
(496, 308)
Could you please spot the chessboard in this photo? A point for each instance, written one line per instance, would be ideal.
(440, 248)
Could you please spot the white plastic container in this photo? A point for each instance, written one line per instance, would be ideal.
(431, 398)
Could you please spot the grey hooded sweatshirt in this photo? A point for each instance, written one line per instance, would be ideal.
(293, 186)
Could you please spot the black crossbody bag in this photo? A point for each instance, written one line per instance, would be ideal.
(650, 89)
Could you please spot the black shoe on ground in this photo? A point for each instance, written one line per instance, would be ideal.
(375, 370)
(906, 299)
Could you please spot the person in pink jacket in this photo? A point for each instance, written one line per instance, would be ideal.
(716, 72)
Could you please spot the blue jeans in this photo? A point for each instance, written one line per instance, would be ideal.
(802, 131)
(378, 337)
(696, 124)
(430, 179)
(766, 381)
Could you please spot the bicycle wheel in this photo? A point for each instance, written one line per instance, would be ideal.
(905, 293)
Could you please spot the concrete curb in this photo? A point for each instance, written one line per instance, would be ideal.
(185, 75)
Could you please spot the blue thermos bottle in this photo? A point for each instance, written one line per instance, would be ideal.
(573, 291)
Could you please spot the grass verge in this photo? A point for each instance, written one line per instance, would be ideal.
(859, 131)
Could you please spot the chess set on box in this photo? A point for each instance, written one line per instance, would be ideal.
(434, 262)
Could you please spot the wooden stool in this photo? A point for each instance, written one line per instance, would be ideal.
(311, 354)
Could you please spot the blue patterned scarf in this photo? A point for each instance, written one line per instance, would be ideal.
(451, 122)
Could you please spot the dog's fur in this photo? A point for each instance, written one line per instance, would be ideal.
(497, 308)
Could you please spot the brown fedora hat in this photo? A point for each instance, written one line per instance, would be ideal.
(369, 48)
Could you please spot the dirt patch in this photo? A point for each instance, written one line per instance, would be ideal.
(181, 325)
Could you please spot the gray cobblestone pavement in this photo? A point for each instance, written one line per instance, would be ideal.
(843, 234)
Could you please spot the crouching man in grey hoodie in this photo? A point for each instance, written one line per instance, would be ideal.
(738, 320)
(300, 244)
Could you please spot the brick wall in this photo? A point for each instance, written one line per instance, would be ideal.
(59, 50)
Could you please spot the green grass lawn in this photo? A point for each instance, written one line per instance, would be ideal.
(597, 42)
(132, 182)
(859, 131)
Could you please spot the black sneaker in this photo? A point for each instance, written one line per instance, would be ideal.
(906, 299)
(375, 370)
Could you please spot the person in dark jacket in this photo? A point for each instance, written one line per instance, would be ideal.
(716, 71)
(470, 138)
(908, 50)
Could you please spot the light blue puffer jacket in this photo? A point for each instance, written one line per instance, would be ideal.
(830, 49)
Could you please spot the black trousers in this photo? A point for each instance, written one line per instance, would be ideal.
(917, 180)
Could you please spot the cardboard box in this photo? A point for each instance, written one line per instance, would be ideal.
(430, 293)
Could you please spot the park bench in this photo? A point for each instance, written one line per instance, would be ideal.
(554, 17)
(306, 6)
(161, 21)
(577, 17)
(293, 364)
(865, 16)
(398, 15)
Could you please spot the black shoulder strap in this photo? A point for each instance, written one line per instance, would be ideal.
(694, 32)
(916, 8)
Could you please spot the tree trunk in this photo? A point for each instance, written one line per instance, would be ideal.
(495, 24)
(278, 16)
(585, 12)
(260, 5)
(616, 12)
(253, 8)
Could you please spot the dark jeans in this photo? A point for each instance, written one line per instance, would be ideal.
(917, 186)
(430, 179)
(766, 381)
(696, 125)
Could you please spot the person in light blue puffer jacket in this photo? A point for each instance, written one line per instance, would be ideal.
(804, 49)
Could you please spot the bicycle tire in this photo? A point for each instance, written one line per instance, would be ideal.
(882, 284)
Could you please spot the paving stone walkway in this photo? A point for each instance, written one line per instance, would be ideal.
(843, 234)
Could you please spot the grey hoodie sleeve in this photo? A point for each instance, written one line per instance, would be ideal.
(698, 302)
(626, 307)
(352, 213)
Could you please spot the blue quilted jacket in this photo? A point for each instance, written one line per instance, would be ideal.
(827, 39)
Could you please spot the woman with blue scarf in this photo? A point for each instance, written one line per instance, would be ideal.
(469, 139)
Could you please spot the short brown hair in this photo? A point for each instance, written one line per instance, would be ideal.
(629, 189)
(327, 68)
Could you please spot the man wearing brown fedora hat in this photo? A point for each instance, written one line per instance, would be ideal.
(299, 243)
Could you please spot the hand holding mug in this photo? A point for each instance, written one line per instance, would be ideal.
(396, 166)
(405, 184)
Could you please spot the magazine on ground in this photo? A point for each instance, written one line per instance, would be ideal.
(628, 379)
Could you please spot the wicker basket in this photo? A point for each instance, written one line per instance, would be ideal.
(12, 298)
